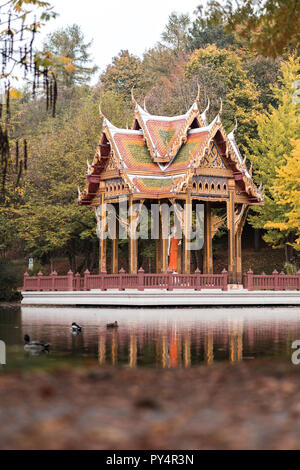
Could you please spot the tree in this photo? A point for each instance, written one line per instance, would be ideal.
(264, 72)
(267, 26)
(125, 72)
(286, 189)
(48, 219)
(202, 34)
(71, 55)
(21, 20)
(221, 74)
(175, 34)
(269, 152)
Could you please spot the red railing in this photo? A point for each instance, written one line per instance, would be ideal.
(123, 280)
(274, 281)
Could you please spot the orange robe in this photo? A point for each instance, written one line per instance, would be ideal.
(173, 254)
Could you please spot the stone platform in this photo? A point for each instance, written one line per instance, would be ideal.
(159, 298)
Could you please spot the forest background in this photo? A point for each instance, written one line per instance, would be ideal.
(248, 56)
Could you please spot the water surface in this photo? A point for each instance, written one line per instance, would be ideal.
(162, 337)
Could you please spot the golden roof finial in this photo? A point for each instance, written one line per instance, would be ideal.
(132, 97)
(100, 111)
(198, 94)
(145, 105)
(221, 107)
(204, 114)
(236, 126)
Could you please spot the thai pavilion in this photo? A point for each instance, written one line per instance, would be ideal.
(180, 159)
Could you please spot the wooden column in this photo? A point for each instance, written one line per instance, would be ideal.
(186, 235)
(208, 253)
(115, 246)
(133, 245)
(164, 243)
(102, 241)
(158, 247)
(238, 245)
(231, 234)
(179, 257)
(157, 256)
(238, 256)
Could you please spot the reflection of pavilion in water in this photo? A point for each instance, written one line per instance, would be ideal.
(172, 344)
(179, 347)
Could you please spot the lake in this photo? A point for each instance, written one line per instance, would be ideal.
(157, 337)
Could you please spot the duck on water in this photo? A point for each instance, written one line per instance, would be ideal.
(75, 327)
(112, 325)
(35, 345)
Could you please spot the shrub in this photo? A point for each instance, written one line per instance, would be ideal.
(9, 281)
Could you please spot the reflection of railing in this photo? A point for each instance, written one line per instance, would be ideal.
(274, 281)
(123, 280)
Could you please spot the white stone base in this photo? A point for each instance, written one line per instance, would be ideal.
(158, 298)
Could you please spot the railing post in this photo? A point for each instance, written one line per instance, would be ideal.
(121, 272)
(77, 281)
(102, 279)
(169, 279)
(225, 279)
(141, 276)
(250, 279)
(70, 280)
(298, 280)
(282, 285)
(26, 276)
(275, 279)
(85, 279)
(197, 283)
(39, 281)
(53, 276)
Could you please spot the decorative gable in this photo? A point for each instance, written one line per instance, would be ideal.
(165, 135)
(212, 158)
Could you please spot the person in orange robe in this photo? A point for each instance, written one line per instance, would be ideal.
(173, 250)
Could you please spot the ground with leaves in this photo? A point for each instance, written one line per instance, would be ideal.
(249, 405)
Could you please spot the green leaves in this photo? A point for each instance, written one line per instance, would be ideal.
(270, 152)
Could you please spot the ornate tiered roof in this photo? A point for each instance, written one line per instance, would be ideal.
(162, 156)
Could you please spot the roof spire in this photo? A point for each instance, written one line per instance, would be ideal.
(221, 107)
(132, 97)
(145, 105)
(203, 115)
(220, 111)
(231, 134)
(198, 94)
(100, 111)
(89, 167)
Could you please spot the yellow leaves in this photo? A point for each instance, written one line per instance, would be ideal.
(70, 68)
(14, 93)
(286, 187)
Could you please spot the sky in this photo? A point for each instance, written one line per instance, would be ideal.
(114, 25)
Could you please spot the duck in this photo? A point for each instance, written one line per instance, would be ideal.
(35, 345)
(75, 327)
(112, 325)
